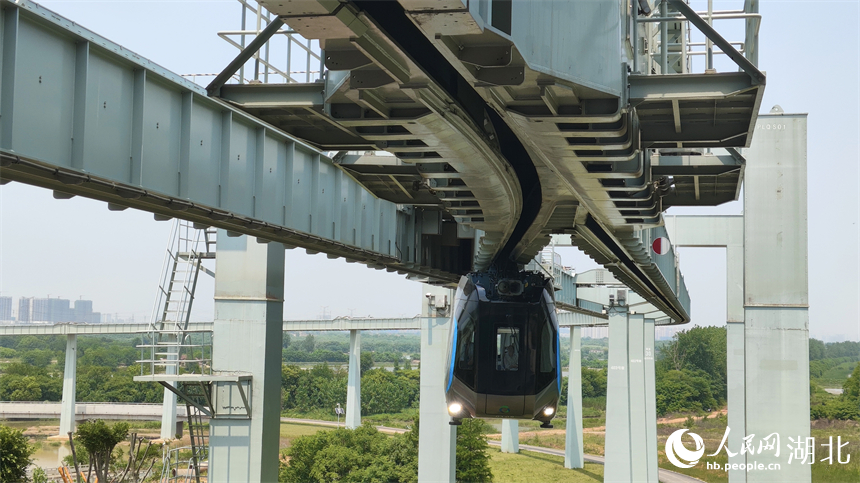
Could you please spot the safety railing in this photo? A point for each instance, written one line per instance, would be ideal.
(665, 42)
(175, 352)
(287, 56)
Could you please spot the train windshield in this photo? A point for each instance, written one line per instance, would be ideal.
(507, 349)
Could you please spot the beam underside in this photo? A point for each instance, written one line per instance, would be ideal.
(69, 104)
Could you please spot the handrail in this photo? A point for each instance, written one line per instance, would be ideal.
(757, 76)
(744, 55)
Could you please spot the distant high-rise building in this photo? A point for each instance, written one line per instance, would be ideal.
(83, 311)
(54, 310)
(25, 309)
(5, 308)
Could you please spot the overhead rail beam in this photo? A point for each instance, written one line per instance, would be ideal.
(757, 76)
(83, 116)
(215, 86)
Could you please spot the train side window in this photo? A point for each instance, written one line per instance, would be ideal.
(547, 345)
(507, 349)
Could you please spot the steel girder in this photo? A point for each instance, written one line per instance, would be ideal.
(83, 116)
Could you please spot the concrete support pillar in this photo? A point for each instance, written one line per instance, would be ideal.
(735, 373)
(725, 231)
(510, 436)
(67, 408)
(650, 401)
(776, 301)
(573, 451)
(247, 338)
(617, 443)
(352, 419)
(437, 439)
(168, 408)
(638, 418)
(736, 395)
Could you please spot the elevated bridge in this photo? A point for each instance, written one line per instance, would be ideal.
(499, 138)
(506, 122)
(84, 411)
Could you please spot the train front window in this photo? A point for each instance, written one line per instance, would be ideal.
(507, 349)
(547, 345)
(466, 346)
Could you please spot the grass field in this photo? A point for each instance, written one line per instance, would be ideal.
(529, 467)
(290, 431)
(835, 377)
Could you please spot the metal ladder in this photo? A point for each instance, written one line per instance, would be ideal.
(199, 433)
(188, 246)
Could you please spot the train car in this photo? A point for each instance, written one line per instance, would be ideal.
(504, 347)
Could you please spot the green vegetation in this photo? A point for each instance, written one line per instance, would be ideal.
(844, 406)
(691, 371)
(472, 458)
(344, 455)
(99, 440)
(321, 388)
(594, 353)
(15, 454)
(334, 347)
(529, 467)
(365, 454)
(105, 369)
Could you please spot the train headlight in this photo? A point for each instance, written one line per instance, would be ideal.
(455, 408)
(548, 411)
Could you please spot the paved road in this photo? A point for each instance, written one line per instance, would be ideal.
(666, 476)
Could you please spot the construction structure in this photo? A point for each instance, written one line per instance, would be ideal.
(506, 122)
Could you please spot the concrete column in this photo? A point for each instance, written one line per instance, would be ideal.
(67, 408)
(735, 374)
(573, 451)
(437, 439)
(168, 408)
(352, 419)
(726, 231)
(249, 309)
(638, 419)
(776, 301)
(510, 436)
(650, 401)
(617, 444)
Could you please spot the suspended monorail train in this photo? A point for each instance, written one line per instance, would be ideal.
(504, 357)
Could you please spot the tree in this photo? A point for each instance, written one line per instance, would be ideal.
(346, 455)
(851, 387)
(366, 362)
(383, 391)
(308, 343)
(686, 390)
(15, 455)
(816, 350)
(99, 441)
(473, 462)
(28, 390)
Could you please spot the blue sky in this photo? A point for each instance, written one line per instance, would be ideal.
(77, 248)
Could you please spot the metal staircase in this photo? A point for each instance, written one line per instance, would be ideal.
(178, 356)
(189, 464)
(173, 348)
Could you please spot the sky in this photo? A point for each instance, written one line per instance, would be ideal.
(76, 248)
